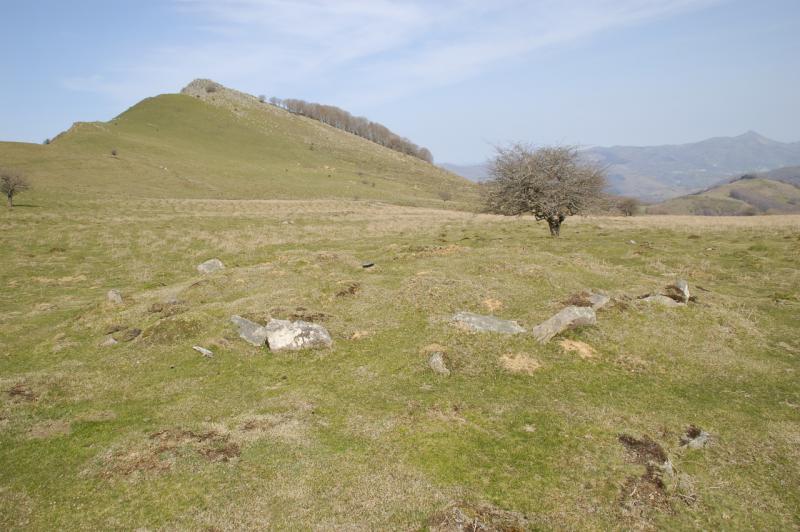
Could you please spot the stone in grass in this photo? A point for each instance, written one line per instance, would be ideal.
(695, 438)
(679, 291)
(108, 342)
(203, 351)
(568, 318)
(250, 331)
(285, 335)
(598, 301)
(127, 335)
(662, 300)
(210, 266)
(437, 364)
(114, 297)
(479, 323)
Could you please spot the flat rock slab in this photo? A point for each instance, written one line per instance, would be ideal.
(203, 351)
(285, 335)
(568, 318)
(210, 266)
(250, 331)
(478, 323)
(599, 301)
(662, 300)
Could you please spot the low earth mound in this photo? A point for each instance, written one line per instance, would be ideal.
(214, 142)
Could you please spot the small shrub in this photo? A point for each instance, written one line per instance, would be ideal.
(445, 195)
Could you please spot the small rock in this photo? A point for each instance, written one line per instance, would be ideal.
(679, 291)
(367, 264)
(695, 438)
(599, 301)
(203, 351)
(568, 318)
(108, 342)
(114, 297)
(665, 301)
(478, 323)
(285, 335)
(437, 364)
(632, 242)
(210, 266)
(249, 331)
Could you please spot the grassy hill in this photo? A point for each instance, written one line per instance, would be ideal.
(744, 196)
(226, 145)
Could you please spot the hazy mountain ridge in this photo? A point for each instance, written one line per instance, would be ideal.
(656, 173)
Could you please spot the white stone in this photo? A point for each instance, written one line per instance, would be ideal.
(568, 318)
(210, 266)
(285, 335)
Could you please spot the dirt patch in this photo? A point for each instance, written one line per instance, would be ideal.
(520, 363)
(580, 299)
(585, 351)
(22, 392)
(167, 309)
(644, 450)
(49, 429)
(492, 305)
(464, 517)
(348, 289)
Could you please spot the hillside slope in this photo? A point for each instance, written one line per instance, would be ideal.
(743, 196)
(225, 144)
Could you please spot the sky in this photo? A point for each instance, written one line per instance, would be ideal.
(456, 76)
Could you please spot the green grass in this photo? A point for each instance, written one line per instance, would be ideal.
(365, 434)
(227, 146)
(741, 197)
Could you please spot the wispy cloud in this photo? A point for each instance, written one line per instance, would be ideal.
(362, 50)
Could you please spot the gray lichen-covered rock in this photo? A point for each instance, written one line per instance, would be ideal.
(210, 266)
(250, 331)
(568, 318)
(114, 297)
(695, 438)
(662, 300)
(598, 301)
(285, 335)
(478, 323)
(437, 364)
(679, 291)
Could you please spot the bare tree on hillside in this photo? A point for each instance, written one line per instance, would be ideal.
(629, 206)
(11, 184)
(550, 183)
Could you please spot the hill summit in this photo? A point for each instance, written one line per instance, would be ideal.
(210, 141)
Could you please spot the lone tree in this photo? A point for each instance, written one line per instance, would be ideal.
(550, 183)
(628, 206)
(11, 184)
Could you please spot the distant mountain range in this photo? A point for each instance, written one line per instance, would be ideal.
(656, 173)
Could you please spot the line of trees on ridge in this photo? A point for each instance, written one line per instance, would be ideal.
(357, 125)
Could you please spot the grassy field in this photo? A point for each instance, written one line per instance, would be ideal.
(148, 434)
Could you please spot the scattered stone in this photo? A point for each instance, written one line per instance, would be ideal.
(359, 335)
(662, 300)
(520, 363)
(250, 332)
(585, 351)
(114, 297)
(695, 438)
(108, 342)
(285, 335)
(127, 335)
(599, 301)
(632, 242)
(679, 291)
(478, 323)
(437, 364)
(568, 318)
(203, 351)
(367, 264)
(210, 266)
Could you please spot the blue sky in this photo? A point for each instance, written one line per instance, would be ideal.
(456, 76)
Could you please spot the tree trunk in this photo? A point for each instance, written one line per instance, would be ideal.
(10, 201)
(555, 226)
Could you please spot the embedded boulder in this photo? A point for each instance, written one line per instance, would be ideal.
(437, 364)
(210, 266)
(679, 291)
(479, 323)
(568, 318)
(285, 335)
(250, 331)
(114, 297)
